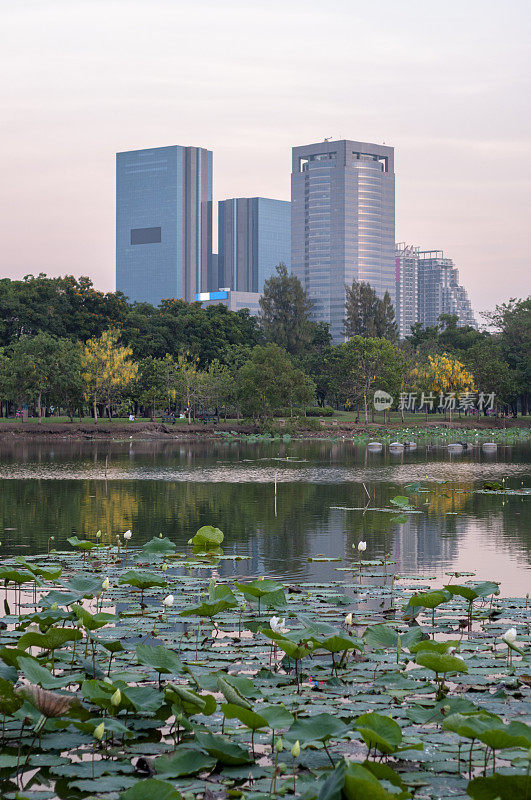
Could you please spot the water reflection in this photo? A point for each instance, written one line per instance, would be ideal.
(59, 489)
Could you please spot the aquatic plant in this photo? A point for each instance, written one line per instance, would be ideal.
(324, 699)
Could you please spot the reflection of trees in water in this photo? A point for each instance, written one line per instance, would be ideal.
(304, 526)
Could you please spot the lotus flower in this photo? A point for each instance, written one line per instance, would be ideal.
(116, 698)
(105, 584)
(127, 535)
(296, 749)
(362, 546)
(276, 624)
(348, 620)
(168, 601)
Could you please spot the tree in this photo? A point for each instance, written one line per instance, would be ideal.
(491, 372)
(366, 364)
(367, 314)
(285, 310)
(512, 321)
(157, 382)
(269, 380)
(218, 386)
(188, 381)
(445, 376)
(44, 366)
(107, 369)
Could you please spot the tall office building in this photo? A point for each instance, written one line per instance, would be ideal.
(254, 235)
(342, 223)
(439, 290)
(407, 302)
(163, 223)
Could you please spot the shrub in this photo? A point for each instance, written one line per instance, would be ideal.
(317, 411)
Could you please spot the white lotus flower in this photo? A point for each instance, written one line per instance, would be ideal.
(276, 624)
(362, 546)
(509, 637)
(127, 535)
(348, 620)
(168, 601)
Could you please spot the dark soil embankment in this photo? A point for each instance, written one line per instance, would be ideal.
(155, 430)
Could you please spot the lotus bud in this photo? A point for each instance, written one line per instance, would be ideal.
(348, 620)
(279, 745)
(509, 637)
(99, 730)
(160, 535)
(296, 749)
(98, 534)
(164, 567)
(310, 645)
(362, 546)
(116, 699)
(127, 535)
(105, 584)
(168, 601)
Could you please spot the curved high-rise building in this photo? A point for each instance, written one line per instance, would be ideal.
(342, 223)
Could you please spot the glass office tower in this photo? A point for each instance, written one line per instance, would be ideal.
(342, 223)
(163, 223)
(254, 235)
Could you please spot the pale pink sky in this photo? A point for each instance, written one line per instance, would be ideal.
(446, 84)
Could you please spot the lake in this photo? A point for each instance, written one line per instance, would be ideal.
(63, 488)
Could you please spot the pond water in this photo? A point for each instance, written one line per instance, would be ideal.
(61, 489)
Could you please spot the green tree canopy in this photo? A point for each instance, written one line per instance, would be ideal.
(368, 315)
(269, 380)
(285, 310)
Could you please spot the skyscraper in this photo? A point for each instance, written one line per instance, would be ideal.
(254, 235)
(407, 301)
(163, 223)
(342, 223)
(439, 290)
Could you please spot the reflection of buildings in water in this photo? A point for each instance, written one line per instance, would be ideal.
(425, 543)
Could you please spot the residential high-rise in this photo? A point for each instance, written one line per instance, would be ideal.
(407, 301)
(254, 235)
(342, 223)
(439, 290)
(163, 223)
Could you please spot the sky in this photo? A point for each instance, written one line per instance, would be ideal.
(446, 84)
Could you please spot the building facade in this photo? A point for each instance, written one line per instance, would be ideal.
(439, 290)
(234, 300)
(254, 235)
(342, 223)
(163, 223)
(407, 299)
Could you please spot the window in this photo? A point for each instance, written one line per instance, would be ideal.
(146, 235)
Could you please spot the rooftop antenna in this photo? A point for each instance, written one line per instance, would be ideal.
(328, 138)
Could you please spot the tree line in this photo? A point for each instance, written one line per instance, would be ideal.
(68, 347)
